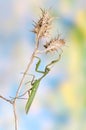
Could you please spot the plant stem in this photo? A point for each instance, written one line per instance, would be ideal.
(5, 99)
(15, 116)
(21, 82)
(20, 85)
(28, 66)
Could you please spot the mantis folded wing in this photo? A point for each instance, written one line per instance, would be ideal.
(36, 82)
(32, 95)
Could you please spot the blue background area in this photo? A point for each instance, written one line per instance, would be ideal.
(60, 103)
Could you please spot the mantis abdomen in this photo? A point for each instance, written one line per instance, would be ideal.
(32, 95)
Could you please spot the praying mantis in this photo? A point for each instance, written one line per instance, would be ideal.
(35, 83)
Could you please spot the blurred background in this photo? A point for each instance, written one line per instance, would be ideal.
(60, 103)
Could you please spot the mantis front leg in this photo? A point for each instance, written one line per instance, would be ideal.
(37, 65)
(47, 67)
(46, 70)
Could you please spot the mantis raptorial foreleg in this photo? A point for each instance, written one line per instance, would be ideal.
(37, 65)
(46, 70)
(48, 66)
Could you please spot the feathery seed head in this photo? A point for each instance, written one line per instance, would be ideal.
(54, 44)
(43, 26)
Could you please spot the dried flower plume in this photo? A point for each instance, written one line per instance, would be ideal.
(54, 44)
(43, 26)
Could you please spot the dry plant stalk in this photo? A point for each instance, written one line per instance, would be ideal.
(41, 30)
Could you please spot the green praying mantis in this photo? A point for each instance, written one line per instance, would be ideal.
(35, 83)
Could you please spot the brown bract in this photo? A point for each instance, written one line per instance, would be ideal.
(43, 26)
